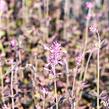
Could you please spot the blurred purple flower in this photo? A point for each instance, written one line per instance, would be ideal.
(93, 28)
(89, 5)
(44, 90)
(10, 61)
(89, 16)
(79, 59)
(13, 43)
(3, 6)
(2, 55)
(84, 85)
(7, 79)
(104, 95)
(105, 98)
(37, 106)
(5, 107)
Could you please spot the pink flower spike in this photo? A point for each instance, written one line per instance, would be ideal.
(89, 5)
(55, 55)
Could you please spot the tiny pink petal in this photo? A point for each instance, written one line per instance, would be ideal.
(89, 5)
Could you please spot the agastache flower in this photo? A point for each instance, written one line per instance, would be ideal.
(54, 58)
(55, 55)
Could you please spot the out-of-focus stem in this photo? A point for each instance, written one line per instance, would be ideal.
(87, 66)
(2, 84)
(1, 73)
(25, 13)
(36, 64)
(67, 74)
(46, 16)
(47, 7)
(73, 89)
(12, 93)
(44, 102)
(66, 16)
(74, 80)
(66, 9)
(86, 40)
(98, 70)
(86, 70)
(98, 79)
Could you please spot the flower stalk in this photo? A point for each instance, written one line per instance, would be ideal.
(98, 69)
(55, 86)
(12, 93)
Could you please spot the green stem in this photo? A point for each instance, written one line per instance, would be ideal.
(98, 79)
(2, 84)
(54, 72)
(87, 66)
(85, 45)
(12, 93)
(98, 70)
(73, 89)
(44, 102)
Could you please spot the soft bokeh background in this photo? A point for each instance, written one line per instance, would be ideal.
(26, 26)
